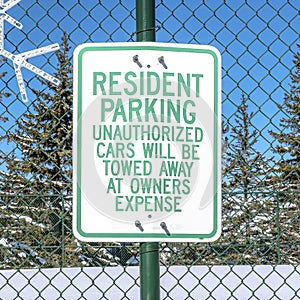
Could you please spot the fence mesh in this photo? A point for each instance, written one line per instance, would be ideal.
(261, 149)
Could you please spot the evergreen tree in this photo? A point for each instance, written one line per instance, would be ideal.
(287, 181)
(2, 94)
(245, 205)
(38, 183)
(38, 179)
(3, 119)
(245, 168)
(288, 138)
(44, 136)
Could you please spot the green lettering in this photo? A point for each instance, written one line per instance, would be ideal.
(155, 81)
(137, 167)
(107, 105)
(113, 82)
(166, 84)
(111, 186)
(168, 203)
(141, 83)
(197, 76)
(131, 82)
(129, 204)
(149, 108)
(175, 111)
(138, 201)
(148, 203)
(135, 105)
(97, 82)
(98, 150)
(186, 85)
(176, 204)
(119, 111)
(163, 169)
(118, 203)
(192, 115)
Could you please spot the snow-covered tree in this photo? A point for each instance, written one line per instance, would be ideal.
(38, 181)
(288, 138)
(36, 226)
(5, 95)
(286, 184)
(3, 119)
(247, 210)
(245, 168)
(44, 136)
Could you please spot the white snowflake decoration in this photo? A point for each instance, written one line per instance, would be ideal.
(20, 60)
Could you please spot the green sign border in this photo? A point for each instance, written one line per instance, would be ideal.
(217, 85)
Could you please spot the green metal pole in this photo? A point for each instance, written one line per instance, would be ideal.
(149, 252)
(145, 20)
(149, 271)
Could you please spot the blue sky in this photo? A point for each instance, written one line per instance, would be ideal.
(257, 40)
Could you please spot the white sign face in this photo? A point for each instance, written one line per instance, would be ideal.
(147, 138)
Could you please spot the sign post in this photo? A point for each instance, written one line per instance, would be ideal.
(149, 251)
(147, 145)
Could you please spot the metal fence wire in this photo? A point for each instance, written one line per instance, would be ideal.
(261, 148)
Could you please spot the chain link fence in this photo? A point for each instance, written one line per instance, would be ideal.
(261, 176)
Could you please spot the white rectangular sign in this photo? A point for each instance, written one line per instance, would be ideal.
(147, 140)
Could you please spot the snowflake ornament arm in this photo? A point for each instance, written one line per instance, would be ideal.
(8, 18)
(20, 60)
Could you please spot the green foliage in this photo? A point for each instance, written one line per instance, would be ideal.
(36, 190)
(44, 136)
(244, 167)
(249, 225)
(37, 185)
(287, 180)
(288, 139)
(3, 94)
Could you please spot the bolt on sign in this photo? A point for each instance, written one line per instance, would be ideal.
(147, 142)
